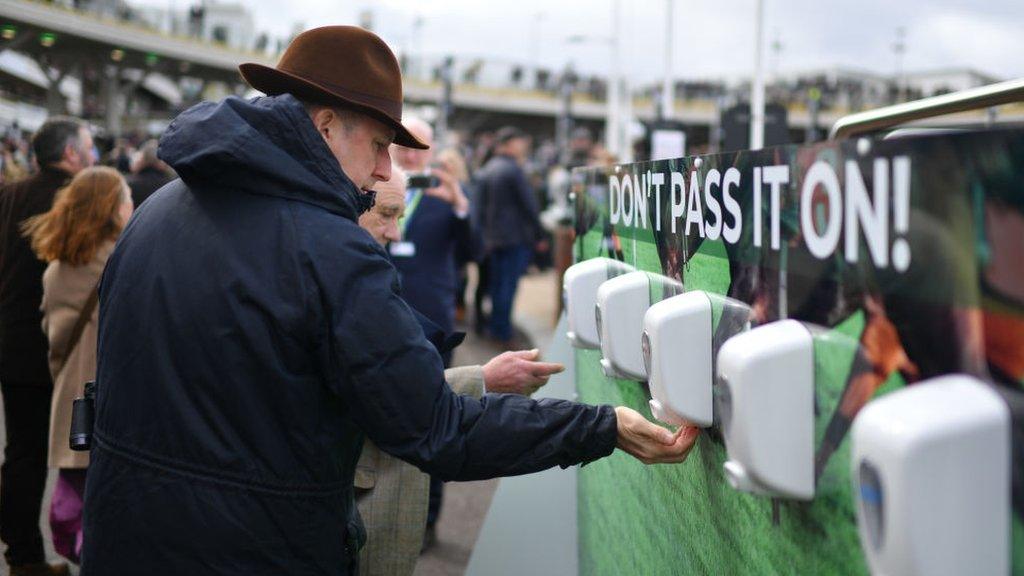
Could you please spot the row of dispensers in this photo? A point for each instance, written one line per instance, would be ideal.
(930, 463)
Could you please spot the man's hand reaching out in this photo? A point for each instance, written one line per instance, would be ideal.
(650, 443)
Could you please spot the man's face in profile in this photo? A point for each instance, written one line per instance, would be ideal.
(519, 148)
(360, 143)
(381, 221)
(81, 156)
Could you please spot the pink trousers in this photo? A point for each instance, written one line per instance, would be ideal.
(66, 513)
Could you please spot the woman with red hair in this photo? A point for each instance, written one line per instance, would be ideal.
(75, 237)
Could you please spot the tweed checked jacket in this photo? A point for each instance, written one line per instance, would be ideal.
(392, 497)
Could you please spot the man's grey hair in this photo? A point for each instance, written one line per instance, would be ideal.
(349, 117)
(56, 134)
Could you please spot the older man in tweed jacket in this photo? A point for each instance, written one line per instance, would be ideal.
(392, 495)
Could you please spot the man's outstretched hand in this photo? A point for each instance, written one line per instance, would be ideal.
(650, 443)
(518, 372)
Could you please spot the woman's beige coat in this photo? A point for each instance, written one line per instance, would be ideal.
(65, 290)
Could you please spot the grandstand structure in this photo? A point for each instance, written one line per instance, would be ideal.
(129, 69)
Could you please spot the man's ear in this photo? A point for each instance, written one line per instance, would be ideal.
(70, 152)
(322, 119)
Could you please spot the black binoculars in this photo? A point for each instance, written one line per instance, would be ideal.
(82, 415)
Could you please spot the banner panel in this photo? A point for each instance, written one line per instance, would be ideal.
(911, 249)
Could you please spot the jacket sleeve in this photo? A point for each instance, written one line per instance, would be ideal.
(466, 380)
(393, 382)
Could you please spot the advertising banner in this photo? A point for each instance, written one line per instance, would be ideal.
(907, 255)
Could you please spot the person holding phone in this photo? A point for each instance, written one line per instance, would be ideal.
(436, 221)
(392, 495)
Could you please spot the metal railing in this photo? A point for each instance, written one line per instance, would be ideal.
(889, 116)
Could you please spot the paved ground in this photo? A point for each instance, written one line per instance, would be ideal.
(534, 512)
(466, 503)
(43, 518)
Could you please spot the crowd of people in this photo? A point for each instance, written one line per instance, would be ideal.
(16, 159)
(287, 293)
(134, 156)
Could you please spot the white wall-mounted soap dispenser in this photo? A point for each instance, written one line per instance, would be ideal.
(579, 296)
(931, 475)
(679, 335)
(767, 381)
(621, 304)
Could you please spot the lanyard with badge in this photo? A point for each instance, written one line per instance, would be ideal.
(404, 248)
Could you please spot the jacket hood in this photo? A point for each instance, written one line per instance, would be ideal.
(266, 145)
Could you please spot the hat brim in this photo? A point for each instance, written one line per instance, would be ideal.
(272, 81)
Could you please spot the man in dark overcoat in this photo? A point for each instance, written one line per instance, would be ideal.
(63, 147)
(251, 332)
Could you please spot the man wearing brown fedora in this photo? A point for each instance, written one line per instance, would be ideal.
(250, 332)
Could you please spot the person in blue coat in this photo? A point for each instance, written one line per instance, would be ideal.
(251, 333)
(509, 224)
(435, 225)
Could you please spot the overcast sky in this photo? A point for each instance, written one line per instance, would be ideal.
(713, 38)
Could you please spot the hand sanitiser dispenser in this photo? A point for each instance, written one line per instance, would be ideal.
(621, 304)
(679, 349)
(766, 377)
(931, 475)
(579, 294)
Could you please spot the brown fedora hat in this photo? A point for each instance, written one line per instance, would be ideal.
(339, 65)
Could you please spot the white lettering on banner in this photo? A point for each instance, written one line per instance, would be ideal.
(731, 234)
(776, 176)
(641, 191)
(713, 178)
(694, 213)
(678, 184)
(757, 207)
(657, 180)
(829, 206)
(872, 217)
(627, 182)
(614, 200)
(821, 245)
(901, 212)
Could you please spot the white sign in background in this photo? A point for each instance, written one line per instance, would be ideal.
(666, 144)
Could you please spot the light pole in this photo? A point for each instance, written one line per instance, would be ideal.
(900, 48)
(613, 123)
(757, 87)
(445, 108)
(616, 122)
(417, 42)
(668, 95)
(563, 125)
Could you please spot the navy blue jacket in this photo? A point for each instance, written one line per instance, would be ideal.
(428, 278)
(250, 333)
(506, 207)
